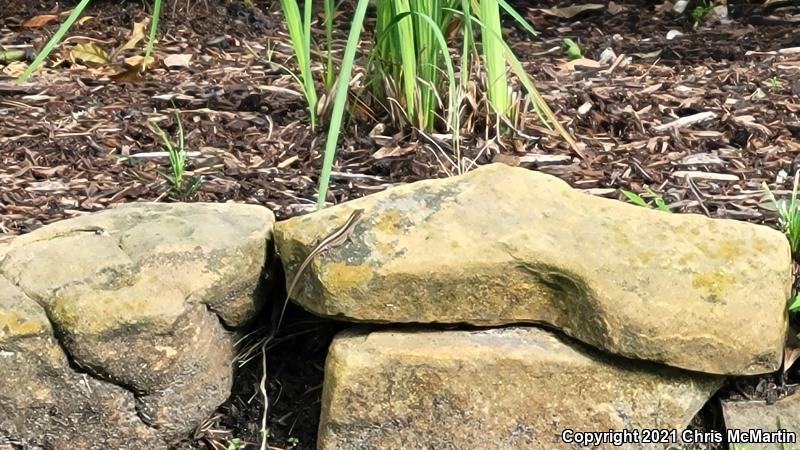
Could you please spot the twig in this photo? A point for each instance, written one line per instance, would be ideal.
(262, 386)
(687, 121)
(697, 194)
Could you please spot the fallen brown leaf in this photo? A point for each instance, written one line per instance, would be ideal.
(39, 21)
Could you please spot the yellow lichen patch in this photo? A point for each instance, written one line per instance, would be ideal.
(716, 282)
(13, 324)
(97, 311)
(343, 276)
(646, 256)
(727, 249)
(761, 245)
(386, 248)
(389, 222)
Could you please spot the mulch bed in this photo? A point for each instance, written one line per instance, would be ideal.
(71, 139)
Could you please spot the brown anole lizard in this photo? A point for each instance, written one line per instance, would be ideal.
(334, 239)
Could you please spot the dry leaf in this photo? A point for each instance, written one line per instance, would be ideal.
(15, 69)
(614, 8)
(393, 152)
(178, 60)
(572, 11)
(137, 34)
(84, 19)
(790, 356)
(580, 62)
(138, 61)
(89, 52)
(131, 74)
(39, 21)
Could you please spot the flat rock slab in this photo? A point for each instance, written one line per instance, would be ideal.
(503, 245)
(759, 426)
(134, 300)
(505, 388)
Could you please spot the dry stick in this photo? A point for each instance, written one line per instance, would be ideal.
(262, 386)
(687, 121)
(697, 194)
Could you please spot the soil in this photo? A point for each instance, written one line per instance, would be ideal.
(72, 139)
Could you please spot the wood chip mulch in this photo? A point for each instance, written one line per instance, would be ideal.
(703, 115)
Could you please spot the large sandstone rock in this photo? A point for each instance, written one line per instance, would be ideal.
(504, 245)
(138, 298)
(511, 388)
(757, 425)
(44, 403)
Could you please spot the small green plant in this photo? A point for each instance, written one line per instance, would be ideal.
(177, 160)
(62, 30)
(773, 83)
(235, 444)
(657, 201)
(572, 49)
(700, 11)
(293, 442)
(794, 303)
(742, 447)
(788, 214)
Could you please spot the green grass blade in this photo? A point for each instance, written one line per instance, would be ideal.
(45, 52)
(794, 306)
(497, 89)
(152, 37)
(427, 59)
(307, 9)
(439, 39)
(634, 198)
(291, 12)
(469, 39)
(520, 20)
(408, 53)
(330, 10)
(340, 99)
(466, 12)
(546, 115)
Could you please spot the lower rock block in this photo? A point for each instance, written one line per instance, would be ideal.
(507, 388)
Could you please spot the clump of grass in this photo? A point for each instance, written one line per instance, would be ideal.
(176, 151)
(412, 62)
(412, 56)
(656, 201)
(788, 214)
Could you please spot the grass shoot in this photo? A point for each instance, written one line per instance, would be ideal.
(788, 214)
(657, 201)
(176, 151)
